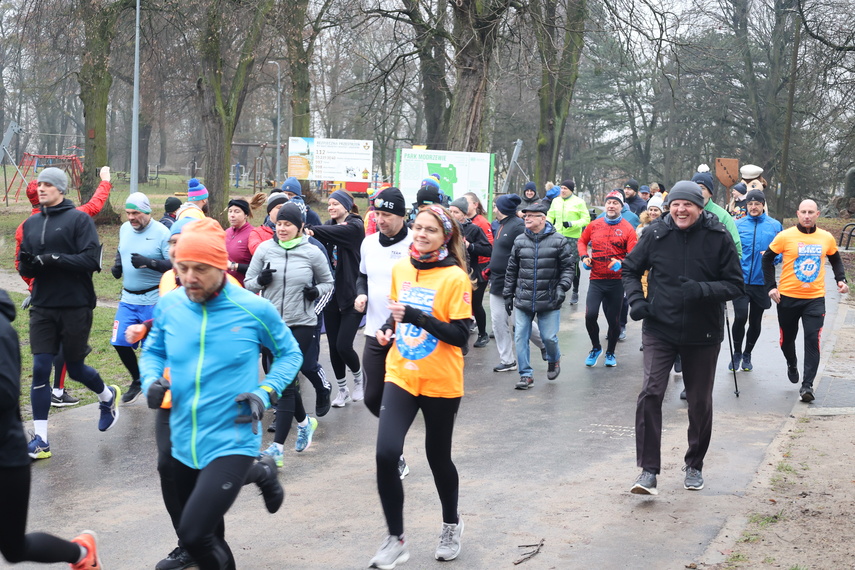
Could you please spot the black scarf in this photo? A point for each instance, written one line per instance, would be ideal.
(386, 241)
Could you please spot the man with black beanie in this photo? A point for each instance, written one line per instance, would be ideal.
(569, 214)
(379, 252)
(169, 208)
(693, 270)
(633, 200)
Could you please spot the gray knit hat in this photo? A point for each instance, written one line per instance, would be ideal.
(55, 177)
(687, 190)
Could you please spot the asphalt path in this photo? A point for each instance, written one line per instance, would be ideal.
(554, 463)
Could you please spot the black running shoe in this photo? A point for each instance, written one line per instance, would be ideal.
(793, 373)
(178, 559)
(806, 394)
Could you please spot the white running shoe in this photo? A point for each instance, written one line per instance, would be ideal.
(449, 540)
(342, 398)
(390, 553)
(358, 391)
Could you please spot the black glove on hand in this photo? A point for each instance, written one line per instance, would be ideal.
(156, 393)
(256, 408)
(142, 262)
(265, 278)
(47, 259)
(116, 270)
(640, 310)
(311, 293)
(26, 303)
(509, 305)
(26, 257)
(411, 315)
(692, 290)
(568, 224)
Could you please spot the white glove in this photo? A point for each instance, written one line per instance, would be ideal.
(105, 173)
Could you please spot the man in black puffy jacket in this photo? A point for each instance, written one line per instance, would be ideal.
(693, 269)
(540, 272)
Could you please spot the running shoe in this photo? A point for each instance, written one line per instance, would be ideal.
(109, 410)
(134, 391)
(178, 559)
(694, 480)
(403, 468)
(793, 373)
(342, 398)
(524, 383)
(38, 448)
(505, 367)
(358, 391)
(482, 341)
(737, 361)
(322, 402)
(610, 360)
(449, 540)
(622, 335)
(391, 552)
(89, 542)
(62, 401)
(806, 394)
(271, 489)
(574, 297)
(593, 356)
(304, 435)
(746, 363)
(274, 452)
(645, 484)
(553, 369)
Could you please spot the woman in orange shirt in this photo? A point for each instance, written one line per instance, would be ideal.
(431, 306)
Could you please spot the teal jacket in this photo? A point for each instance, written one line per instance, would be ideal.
(212, 350)
(730, 225)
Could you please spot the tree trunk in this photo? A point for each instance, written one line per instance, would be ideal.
(299, 56)
(145, 140)
(558, 80)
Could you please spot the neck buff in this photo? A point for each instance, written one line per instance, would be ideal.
(291, 243)
(386, 241)
(442, 252)
(615, 221)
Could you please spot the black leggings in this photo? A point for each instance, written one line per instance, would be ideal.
(15, 544)
(165, 462)
(341, 332)
(374, 367)
(40, 392)
(812, 314)
(609, 293)
(396, 416)
(478, 308)
(749, 309)
(205, 496)
(129, 359)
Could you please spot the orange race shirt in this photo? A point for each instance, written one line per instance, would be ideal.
(803, 272)
(420, 363)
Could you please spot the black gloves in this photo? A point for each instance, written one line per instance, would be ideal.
(509, 305)
(265, 278)
(44, 259)
(26, 257)
(568, 224)
(692, 290)
(116, 270)
(412, 315)
(156, 393)
(26, 302)
(142, 262)
(256, 410)
(640, 310)
(311, 293)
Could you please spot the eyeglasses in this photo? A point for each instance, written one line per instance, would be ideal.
(427, 229)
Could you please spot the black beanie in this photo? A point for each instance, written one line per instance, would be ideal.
(631, 183)
(240, 203)
(755, 196)
(429, 195)
(569, 184)
(172, 203)
(292, 213)
(390, 200)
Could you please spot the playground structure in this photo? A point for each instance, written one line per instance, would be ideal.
(31, 163)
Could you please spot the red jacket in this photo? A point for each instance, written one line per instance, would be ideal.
(608, 242)
(482, 223)
(92, 207)
(257, 236)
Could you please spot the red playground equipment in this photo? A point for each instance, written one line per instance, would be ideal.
(70, 163)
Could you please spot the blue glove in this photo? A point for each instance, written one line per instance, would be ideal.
(615, 265)
(586, 263)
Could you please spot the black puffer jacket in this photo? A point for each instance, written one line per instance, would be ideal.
(704, 253)
(13, 443)
(70, 237)
(540, 270)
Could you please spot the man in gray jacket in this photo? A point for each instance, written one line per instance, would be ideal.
(540, 272)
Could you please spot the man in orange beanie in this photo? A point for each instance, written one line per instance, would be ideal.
(210, 331)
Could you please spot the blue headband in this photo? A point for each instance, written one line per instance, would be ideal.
(342, 197)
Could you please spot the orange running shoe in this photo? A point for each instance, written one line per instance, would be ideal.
(89, 541)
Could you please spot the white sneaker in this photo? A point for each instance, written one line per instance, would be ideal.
(342, 398)
(390, 553)
(449, 540)
(358, 392)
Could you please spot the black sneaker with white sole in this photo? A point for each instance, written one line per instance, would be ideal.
(134, 391)
(62, 401)
(553, 369)
(505, 367)
(806, 394)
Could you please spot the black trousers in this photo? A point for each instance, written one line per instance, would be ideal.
(206, 495)
(397, 415)
(374, 372)
(15, 544)
(749, 309)
(341, 332)
(812, 314)
(478, 311)
(699, 362)
(609, 294)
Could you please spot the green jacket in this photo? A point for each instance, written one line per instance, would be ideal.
(726, 219)
(572, 209)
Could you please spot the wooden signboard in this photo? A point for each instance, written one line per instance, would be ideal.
(727, 171)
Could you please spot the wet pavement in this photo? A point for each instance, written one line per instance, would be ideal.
(555, 463)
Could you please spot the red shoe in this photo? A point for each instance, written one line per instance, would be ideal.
(89, 541)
